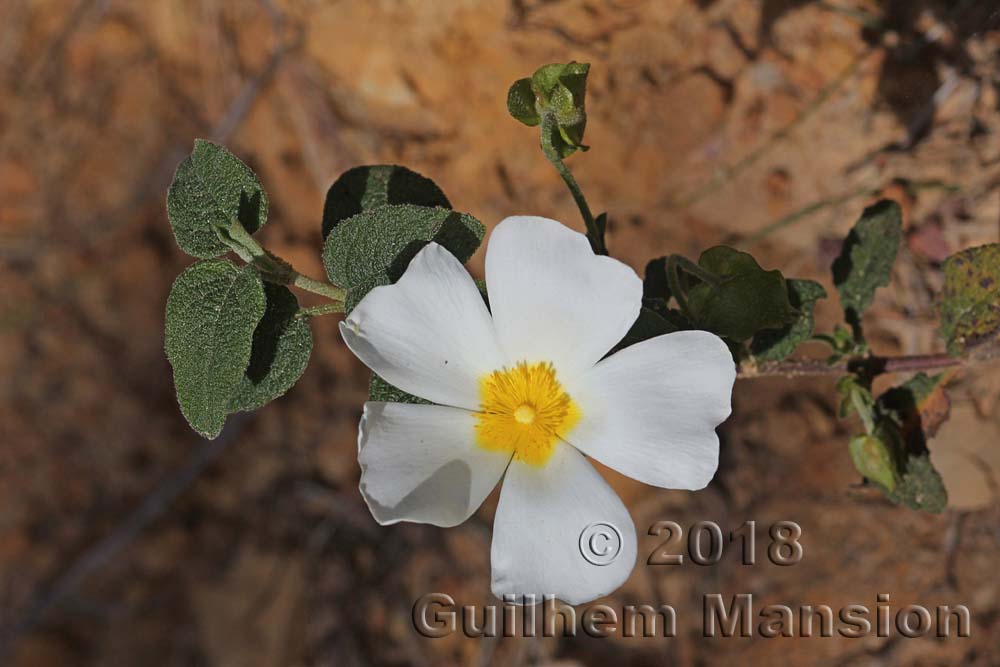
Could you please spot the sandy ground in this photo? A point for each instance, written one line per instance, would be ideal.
(766, 124)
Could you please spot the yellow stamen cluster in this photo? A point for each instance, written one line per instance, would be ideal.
(524, 410)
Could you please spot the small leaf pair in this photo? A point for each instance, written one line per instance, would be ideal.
(235, 336)
(234, 342)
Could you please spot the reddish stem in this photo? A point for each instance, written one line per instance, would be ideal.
(874, 365)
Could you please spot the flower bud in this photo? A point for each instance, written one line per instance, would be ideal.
(557, 90)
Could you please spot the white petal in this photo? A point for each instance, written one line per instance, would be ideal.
(553, 299)
(420, 463)
(650, 410)
(542, 514)
(429, 334)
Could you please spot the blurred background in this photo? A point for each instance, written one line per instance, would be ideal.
(125, 539)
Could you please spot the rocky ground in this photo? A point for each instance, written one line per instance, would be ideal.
(764, 124)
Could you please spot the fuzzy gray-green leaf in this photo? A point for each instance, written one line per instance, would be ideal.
(655, 284)
(282, 344)
(211, 187)
(358, 291)
(380, 390)
(865, 261)
(364, 188)
(212, 311)
(376, 246)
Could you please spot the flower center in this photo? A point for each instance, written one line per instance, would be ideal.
(525, 414)
(524, 410)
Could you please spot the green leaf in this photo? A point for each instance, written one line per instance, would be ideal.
(380, 390)
(655, 297)
(923, 385)
(601, 222)
(364, 188)
(375, 247)
(917, 407)
(565, 108)
(211, 188)
(574, 79)
(873, 457)
(212, 311)
(906, 401)
(866, 259)
(282, 344)
(546, 78)
(521, 103)
(743, 300)
(922, 487)
(358, 291)
(481, 286)
(655, 284)
(856, 397)
(563, 146)
(778, 344)
(572, 76)
(970, 302)
(648, 325)
(843, 343)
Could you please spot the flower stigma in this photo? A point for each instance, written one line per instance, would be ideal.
(524, 410)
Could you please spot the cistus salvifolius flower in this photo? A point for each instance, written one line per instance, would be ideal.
(523, 390)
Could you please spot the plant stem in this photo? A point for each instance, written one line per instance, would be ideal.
(674, 265)
(325, 309)
(676, 288)
(873, 365)
(681, 262)
(318, 287)
(272, 268)
(552, 155)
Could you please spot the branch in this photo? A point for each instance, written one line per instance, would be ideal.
(873, 365)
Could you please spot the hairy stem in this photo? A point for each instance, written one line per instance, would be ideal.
(319, 287)
(325, 309)
(594, 233)
(272, 268)
(873, 365)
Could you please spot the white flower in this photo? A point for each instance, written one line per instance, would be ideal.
(526, 390)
